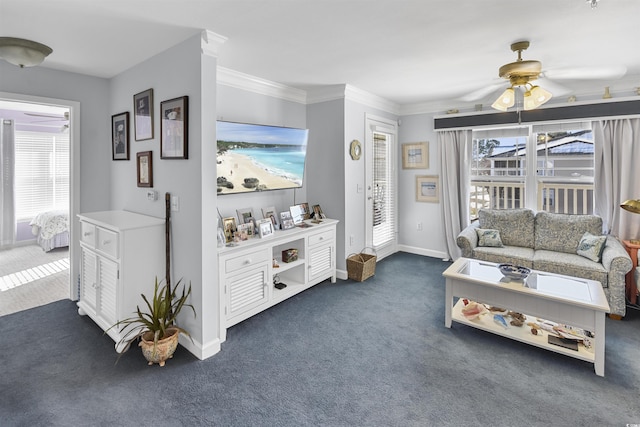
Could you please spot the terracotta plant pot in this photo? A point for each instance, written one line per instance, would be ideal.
(158, 353)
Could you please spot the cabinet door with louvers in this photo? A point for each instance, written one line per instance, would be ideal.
(245, 293)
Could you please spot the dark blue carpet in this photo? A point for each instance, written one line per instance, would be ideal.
(347, 354)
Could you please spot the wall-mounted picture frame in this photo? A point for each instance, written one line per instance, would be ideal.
(415, 156)
(229, 228)
(174, 125)
(271, 213)
(145, 169)
(143, 115)
(428, 188)
(265, 228)
(120, 136)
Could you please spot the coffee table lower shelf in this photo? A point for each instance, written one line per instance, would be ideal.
(519, 333)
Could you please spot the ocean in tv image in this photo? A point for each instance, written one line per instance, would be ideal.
(258, 158)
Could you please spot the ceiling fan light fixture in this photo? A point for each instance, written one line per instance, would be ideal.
(506, 100)
(535, 97)
(23, 53)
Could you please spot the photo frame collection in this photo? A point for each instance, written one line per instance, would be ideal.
(174, 128)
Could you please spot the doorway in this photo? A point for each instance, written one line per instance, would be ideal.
(381, 179)
(54, 116)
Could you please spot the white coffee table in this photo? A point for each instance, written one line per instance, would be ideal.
(562, 299)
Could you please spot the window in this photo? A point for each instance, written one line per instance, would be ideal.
(42, 173)
(548, 167)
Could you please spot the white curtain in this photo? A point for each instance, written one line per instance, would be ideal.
(617, 174)
(455, 158)
(7, 183)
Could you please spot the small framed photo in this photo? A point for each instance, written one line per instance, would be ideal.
(245, 215)
(174, 122)
(265, 227)
(427, 189)
(143, 114)
(145, 169)
(305, 209)
(120, 136)
(272, 214)
(317, 213)
(415, 156)
(229, 228)
(286, 220)
(244, 231)
(297, 214)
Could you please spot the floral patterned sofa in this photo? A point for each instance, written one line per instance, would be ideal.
(556, 243)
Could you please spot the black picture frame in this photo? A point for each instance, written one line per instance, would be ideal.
(143, 115)
(120, 136)
(174, 124)
(145, 169)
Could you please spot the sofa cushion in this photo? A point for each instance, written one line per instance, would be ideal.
(570, 265)
(562, 233)
(512, 254)
(591, 246)
(516, 226)
(489, 237)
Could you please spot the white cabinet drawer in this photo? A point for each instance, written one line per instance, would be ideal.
(324, 237)
(107, 241)
(246, 260)
(88, 235)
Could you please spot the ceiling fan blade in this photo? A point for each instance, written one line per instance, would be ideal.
(482, 93)
(587, 73)
(553, 87)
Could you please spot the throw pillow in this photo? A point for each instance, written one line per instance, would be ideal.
(489, 237)
(591, 246)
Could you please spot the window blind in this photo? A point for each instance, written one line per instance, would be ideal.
(42, 173)
(384, 221)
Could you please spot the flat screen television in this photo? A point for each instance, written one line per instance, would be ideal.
(254, 157)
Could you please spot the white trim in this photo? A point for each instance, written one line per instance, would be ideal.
(238, 80)
(210, 42)
(423, 252)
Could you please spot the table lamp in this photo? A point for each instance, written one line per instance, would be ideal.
(632, 206)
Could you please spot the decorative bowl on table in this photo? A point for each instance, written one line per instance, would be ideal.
(514, 272)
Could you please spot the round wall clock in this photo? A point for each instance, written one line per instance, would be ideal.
(355, 149)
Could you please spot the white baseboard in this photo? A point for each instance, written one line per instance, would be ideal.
(424, 252)
(198, 350)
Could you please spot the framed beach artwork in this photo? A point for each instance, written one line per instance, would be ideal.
(415, 156)
(144, 169)
(143, 115)
(174, 126)
(120, 136)
(427, 188)
(272, 214)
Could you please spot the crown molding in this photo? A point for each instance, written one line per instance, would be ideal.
(351, 93)
(210, 42)
(238, 80)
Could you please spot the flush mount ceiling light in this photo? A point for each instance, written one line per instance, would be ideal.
(23, 53)
(520, 74)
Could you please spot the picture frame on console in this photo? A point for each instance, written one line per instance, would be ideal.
(229, 227)
(120, 136)
(143, 115)
(271, 213)
(286, 220)
(265, 228)
(174, 127)
(317, 213)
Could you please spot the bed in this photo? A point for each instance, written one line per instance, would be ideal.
(51, 229)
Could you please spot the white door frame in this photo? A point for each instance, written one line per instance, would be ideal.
(379, 124)
(74, 171)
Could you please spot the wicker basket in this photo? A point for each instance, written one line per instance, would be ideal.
(361, 266)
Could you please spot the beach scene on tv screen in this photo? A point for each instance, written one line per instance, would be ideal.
(259, 158)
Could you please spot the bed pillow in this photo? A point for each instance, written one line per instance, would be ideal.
(489, 237)
(591, 246)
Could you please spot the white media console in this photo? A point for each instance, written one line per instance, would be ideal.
(247, 269)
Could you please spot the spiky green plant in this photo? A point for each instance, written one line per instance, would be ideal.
(161, 314)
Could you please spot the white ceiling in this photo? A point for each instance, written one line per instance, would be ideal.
(408, 52)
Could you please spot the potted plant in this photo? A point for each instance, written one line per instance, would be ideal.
(156, 327)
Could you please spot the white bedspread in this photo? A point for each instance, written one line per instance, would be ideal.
(48, 224)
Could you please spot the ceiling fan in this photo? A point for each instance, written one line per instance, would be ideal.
(50, 117)
(524, 73)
